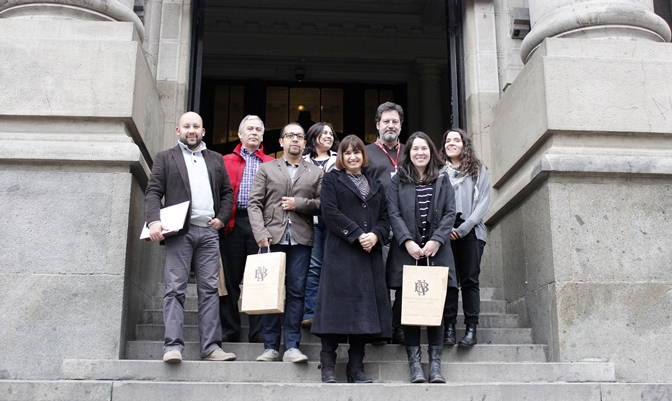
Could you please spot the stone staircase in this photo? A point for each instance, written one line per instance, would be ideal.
(505, 365)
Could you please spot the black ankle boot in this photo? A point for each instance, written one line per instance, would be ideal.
(469, 339)
(449, 337)
(354, 370)
(435, 353)
(327, 365)
(414, 357)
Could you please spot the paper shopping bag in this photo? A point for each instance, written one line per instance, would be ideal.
(264, 284)
(221, 285)
(423, 295)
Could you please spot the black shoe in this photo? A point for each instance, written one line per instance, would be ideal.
(449, 336)
(414, 357)
(469, 339)
(398, 337)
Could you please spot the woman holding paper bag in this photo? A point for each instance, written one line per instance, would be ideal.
(421, 205)
(352, 298)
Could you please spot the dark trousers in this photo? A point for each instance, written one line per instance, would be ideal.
(412, 335)
(315, 271)
(467, 252)
(297, 262)
(198, 248)
(235, 248)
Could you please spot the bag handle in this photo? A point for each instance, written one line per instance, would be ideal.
(268, 250)
(416, 262)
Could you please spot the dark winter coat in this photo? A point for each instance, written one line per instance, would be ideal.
(352, 297)
(404, 216)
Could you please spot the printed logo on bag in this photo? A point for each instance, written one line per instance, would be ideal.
(261, 273)
(421, 287)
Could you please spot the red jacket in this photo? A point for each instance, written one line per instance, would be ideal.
(235, 165)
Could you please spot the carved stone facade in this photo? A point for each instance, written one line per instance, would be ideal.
(573, 123)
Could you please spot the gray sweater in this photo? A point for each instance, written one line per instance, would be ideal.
(473, 210)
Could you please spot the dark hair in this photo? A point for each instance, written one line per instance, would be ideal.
(351, 141)
(313, 135)
(468, 160)
(407, 171)
(282, 131)
(389, 106)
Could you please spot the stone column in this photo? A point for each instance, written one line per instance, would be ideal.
(582, 175)
(79, 118)
(431, 110)
(593, 19)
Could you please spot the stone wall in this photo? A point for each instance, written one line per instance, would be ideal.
(580, 221)
(79, 118)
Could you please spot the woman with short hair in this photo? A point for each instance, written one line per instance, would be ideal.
(352, 299)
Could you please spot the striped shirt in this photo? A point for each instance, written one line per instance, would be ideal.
(424, 193)
(252, 163)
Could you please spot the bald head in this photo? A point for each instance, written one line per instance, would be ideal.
(190, 130)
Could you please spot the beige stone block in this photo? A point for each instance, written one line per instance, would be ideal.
(628, 323)
(109, 78)
(171, 16)
(622, 238)
(83, 219)
(98, 82)
(169, 53)
(582, 86)
(49, 318)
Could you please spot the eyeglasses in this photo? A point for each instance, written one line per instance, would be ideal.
(292, 135)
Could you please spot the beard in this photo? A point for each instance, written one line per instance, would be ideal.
(389, 135)
(294, 151)
(196, 145)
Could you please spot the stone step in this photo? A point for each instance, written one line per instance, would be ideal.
(108, 390)
(154, 332)
(285, 372)
(485, 319)
(487, 293)
(191, 304)
(153, 350)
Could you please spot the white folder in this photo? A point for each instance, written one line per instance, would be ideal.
(172, 217)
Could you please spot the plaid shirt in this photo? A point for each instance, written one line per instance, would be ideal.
(252, 163)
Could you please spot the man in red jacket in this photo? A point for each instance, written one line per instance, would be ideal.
(242, 166)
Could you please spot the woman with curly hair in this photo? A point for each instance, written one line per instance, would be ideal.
(471, 182)
(321, 146)
(421, 204)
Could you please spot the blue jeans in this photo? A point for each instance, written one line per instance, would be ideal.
(313, 280)
(297, 263)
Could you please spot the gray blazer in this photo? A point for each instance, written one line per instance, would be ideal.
(272, 182)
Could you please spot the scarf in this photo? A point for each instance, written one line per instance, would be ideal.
(457, 177)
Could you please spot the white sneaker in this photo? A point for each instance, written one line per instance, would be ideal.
(294, 355)
(219, 355)
(269, 355)
(173, 356)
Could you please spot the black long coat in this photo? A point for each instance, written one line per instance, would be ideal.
(404, 216)
(352, 297)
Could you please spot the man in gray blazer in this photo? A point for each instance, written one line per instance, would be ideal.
(284, 197)
(190, 172)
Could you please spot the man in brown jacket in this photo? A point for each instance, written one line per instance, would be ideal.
(284, 197)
